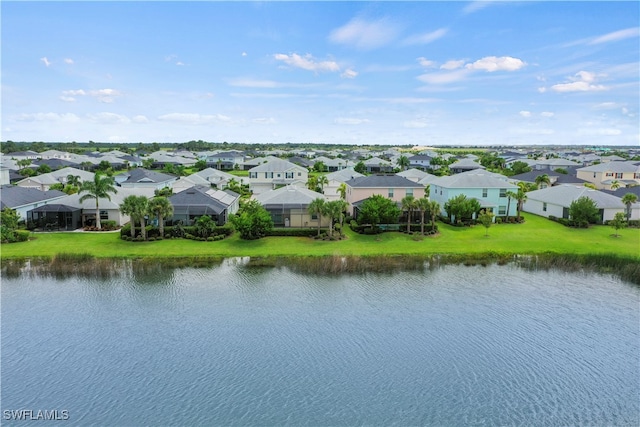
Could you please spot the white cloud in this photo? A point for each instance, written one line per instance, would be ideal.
(350, 121)
(349, 74)
(102, 95)
(264, 120)
(243, 54)
(617, 35)
(427, 37)
(452, 64)
(194, 118)
(46, 61)
(242, 82)
(475, 6)
(547, 114)
(68, 61)
(109, 118)
(583, 81)
(525, 113)
(78, 92)
(307, 62)
(444, 77)
(493, 63)
(140, 119)
(424, 62)
(365, 34)
(48, 117)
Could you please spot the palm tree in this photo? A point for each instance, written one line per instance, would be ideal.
(422, 205)
(137, 207)
(403, 162)
(434, 208)
(74, 180)
(316, 207)
(333, 210)
(343, 206)
(542, 179)
(98, 189)
(521, 197)
(510, 195)
(629, 199)
(342, 189)
(615, 184)
(408, 204)
(162, 208)
(312, 183)
(322, 181)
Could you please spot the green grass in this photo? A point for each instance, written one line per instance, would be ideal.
(536, 236)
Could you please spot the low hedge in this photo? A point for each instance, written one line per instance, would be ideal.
(292, 232)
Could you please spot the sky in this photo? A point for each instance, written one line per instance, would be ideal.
(393, 73)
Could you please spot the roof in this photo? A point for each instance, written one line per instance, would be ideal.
(413, 173)
(202, 200)
(343, 175)
(12, 196)
(144, 175)
(289, 196)
(466, 164)
(382, 181)
(277, 165)
(612, 167)
(472, 179)
(563, 195)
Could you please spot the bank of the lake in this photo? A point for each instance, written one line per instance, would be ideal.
(536, 236)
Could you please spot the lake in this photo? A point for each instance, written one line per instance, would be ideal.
(237, 345)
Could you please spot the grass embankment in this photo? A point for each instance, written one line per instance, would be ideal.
(536, 236)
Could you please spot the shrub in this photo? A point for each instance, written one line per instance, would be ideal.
(22, 235)
(553, 218)
(498, 220)
(634, 223)
(109, 225)
(293, 232)
(211, 238)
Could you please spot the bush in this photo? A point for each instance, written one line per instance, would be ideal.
(498, 220)
(293, 232)
(634, 223)
(553, 218)
(109, 225)
(21, 235)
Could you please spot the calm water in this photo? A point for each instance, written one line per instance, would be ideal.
(231, 345)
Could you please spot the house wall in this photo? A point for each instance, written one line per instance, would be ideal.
(298, 218)
(356, 194)
(493, 199)
(536, 207)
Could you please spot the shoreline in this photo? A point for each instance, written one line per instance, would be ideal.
(624, 267)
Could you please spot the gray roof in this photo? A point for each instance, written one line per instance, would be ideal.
(383, 181)
(144, 175)
(277, 165)
(12, 196)
(472, 180)
(201, 200)
(343, 175)
(289, 196)
(563, 195)
(612, 167)
(466, 164)
(413, 173)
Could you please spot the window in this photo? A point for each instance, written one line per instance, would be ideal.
(503, 192)
(390, 192)
(484, 192)
(502, 210)
(104, 215)
(619, 175)
(409, 191)
(544, 206)
(288, 175)
(609, 174)
(636, 176)
(253, 175)
(594, 174)
(299, 173)
(314, 217)
(268, 174)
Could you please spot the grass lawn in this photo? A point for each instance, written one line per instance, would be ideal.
(536, 235)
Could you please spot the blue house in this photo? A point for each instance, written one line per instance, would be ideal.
(489, 189)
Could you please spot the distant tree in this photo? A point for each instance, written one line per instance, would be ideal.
(510, 195)
(137, 207)
(9, 220)
(322, 181)
(615, 184)
(618, 222)
(521, 197)
(422, 206)
(200, 165)
(542, 179)
(23, 163)
(44, 168)
(486, 219)
(205, 226)
(403, 162)
(360, 167)
(162, 208)
(434, 210)
(342, 190)
(253, 221)
(312, 183)
(148, 163)
(519, 167)
(378, 210)
(163, 192)
(320, 167)
(316, 207)
(628, 200)
(74, 180)
(103, 166)
(584, 211)
(98, 189)
(334, 211)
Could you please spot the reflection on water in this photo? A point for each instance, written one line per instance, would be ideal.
(237, 344)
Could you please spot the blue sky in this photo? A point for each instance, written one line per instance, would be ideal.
(420, 73)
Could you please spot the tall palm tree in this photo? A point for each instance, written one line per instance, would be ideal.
(408, 204)
(342, 190)
(434, 209)
(521, 197)
(98, 189)
(629, 199)
(422, 205)
(333, 210)
(74, 180)
(322, 181)
(542, 179)
(615, 184)
(162, 208)
(312, 183)
(316, 207)
(137, 207)
(403, 162)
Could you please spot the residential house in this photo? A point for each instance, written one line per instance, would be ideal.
(276, 173)
(414, 174)
(44, 181)
(335, 179)
(421, 161)
(23, 199)
(378, 165)
(194, 202)
(218, 179)
(143, 178)
(289, 207)
(603, 175)
(555, 178)
(465, 165)
(555, 201)
(392, 186)
(490, 190)
(226, 160)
